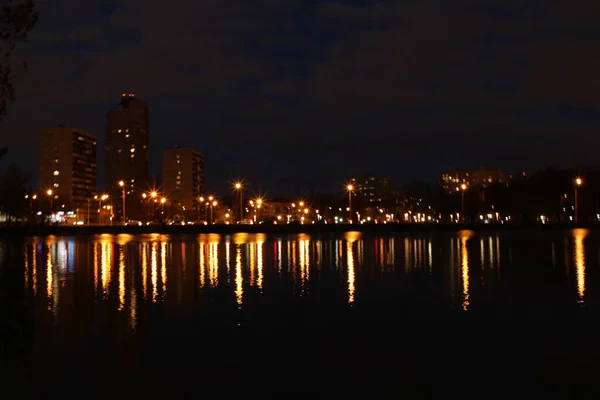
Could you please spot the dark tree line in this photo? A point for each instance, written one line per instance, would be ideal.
(17, 19)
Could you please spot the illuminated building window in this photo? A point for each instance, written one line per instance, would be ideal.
(56, 173)
(119, 130)
(133, 150)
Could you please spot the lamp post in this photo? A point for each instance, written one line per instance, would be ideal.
(206, 206)
(145, 197)
(200, 202)
(122, 184)
(239, 188)
(31, 198)
(259, 203)
(50, 194)
(350, 189)
(578, 183)
(88, 210)
(213, 204)
(162, 207)
(463, 189)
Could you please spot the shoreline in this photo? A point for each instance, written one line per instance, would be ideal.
(66, 230)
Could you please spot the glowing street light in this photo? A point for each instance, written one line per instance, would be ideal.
(213, 204)
(350, 189)
(122, 184)
(463, 189)
(49, 193)
(578, 183)
(237, 186)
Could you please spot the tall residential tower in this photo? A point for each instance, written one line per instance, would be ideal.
(68, 168)
(183, 180)
(126, 155)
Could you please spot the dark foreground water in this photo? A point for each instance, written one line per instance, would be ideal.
(130, 315)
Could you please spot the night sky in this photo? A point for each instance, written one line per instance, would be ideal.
(296, 95)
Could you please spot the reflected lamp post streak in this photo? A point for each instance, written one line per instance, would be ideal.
(121, 277)
(259, 256)
(351, 273)
(144, 269)
(464, 237)
(579, 236)
(154, 271)
(239, 281)
(163, 267)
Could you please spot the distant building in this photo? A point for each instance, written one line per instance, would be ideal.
(68, 167)
(372, 189)
(126, 154)
(183, 180)
(478, 178)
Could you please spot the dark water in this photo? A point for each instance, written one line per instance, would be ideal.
(212, 313)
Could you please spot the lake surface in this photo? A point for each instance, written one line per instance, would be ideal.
(213, 313)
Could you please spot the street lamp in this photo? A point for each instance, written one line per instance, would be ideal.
(578, 183)
(350, 189)
(100, 200)
(463, 189)
(49, 193)
(239, 188)
(213, 204)
(201, 202)
(122, 184)
(162, 205)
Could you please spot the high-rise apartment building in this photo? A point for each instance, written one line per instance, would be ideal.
(183, 180)
(68, 167)
(126, 155)
(372, 189)
(477, 178)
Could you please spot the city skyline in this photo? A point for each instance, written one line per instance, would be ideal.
(339, 90)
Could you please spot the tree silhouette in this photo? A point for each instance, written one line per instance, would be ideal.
(17, 18)
(12, 192)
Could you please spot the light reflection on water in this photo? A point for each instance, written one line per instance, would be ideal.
(127, 273)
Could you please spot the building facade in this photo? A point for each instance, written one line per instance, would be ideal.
(371, 190)
(183, 180)
(67, 162)
(126, 155)
(478, 178)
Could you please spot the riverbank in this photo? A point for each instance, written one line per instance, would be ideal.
(66, 230)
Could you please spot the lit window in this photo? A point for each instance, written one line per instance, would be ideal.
(133, 150)
(132, 155)
(119, 131)
(127, 135)
(56, 173)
